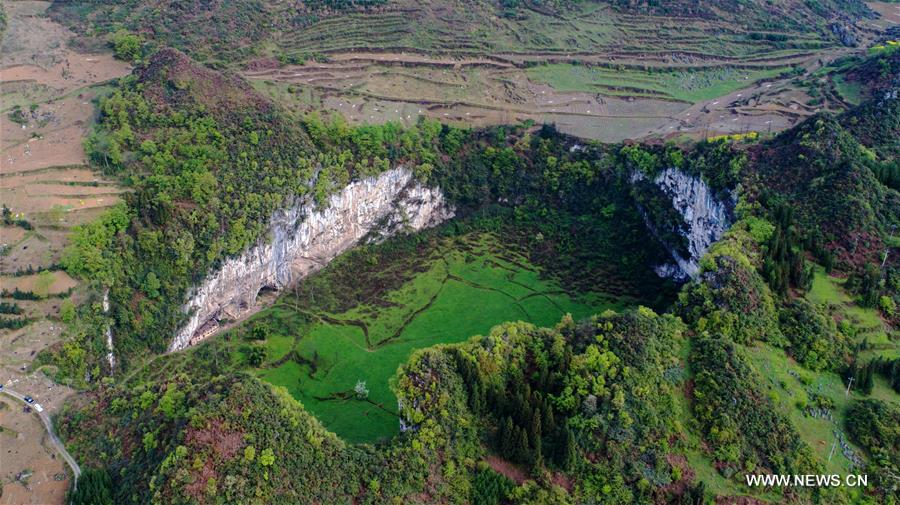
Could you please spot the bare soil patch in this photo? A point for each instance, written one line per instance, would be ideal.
(17, 352)
(11, 234)
(51, 137)
(50, 283)
(889, 11)
(31, 471)
(40, 248)
(510, 470)
(35, 51)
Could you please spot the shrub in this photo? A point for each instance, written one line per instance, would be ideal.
(127, 46)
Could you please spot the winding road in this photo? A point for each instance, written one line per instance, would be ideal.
(48, 425)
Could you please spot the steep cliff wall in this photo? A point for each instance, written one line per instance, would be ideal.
(706, 218)
(304, 238)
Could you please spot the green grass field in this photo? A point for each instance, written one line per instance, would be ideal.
(867, 324)
(460, 292)
(793, 388)
(849, 90)
(688, 86)
(780, 374)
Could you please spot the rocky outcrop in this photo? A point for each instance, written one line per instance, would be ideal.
(706, 218)
(844, 34)
(110, 351)
(303, 238)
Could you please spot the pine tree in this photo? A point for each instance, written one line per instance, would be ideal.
(895, 375)
(537, 456)
(522, 450)
(534, 435)
(476, 399)
(548, 423)
(523, 410)
(506, 435)
(868, 378)
(852, 371)
(569, 452)
(544, 377)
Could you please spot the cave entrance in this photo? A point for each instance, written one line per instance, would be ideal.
(266, 294)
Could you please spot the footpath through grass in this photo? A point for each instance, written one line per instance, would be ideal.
(463, 288)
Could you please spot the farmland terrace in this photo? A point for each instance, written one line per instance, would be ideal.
(597, 70)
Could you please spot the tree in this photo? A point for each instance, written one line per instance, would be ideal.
(569, 453)
(94, 488)
(693, 495)
(868, 378)
(267, 458)
(522, 451)
(505, 435)
(257, 355)
(535, 434)
(150, 441)
(490, 487)
(151, 285)
(362, 392)
(869, 285)
(476, 399)
(260, 331)
(172, 401)
(127, 46)
(548, 422)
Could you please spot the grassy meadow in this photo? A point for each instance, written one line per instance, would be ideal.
(684, 85)
(465, 287)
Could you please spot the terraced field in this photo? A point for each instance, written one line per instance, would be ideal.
(465, 286)
(600, 102)
(46, 93)
(46, 112)
(595, 70)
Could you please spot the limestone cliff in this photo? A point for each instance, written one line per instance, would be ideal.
(110, 350)
(706, 218)
(303, 238)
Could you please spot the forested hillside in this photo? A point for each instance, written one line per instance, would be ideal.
(729, 374)
(468, 252)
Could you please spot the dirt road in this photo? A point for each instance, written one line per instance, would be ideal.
(48, 424)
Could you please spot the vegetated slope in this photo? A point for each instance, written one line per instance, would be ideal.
(234, 31)
(182, 142)
(603, 394)
(209, 160)
(838, 202)
(592, 400)
(877, 122)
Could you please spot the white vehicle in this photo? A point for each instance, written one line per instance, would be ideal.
(37, 407)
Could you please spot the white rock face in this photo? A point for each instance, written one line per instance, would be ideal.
(304, 238)
(110, 354)
(706, 219)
